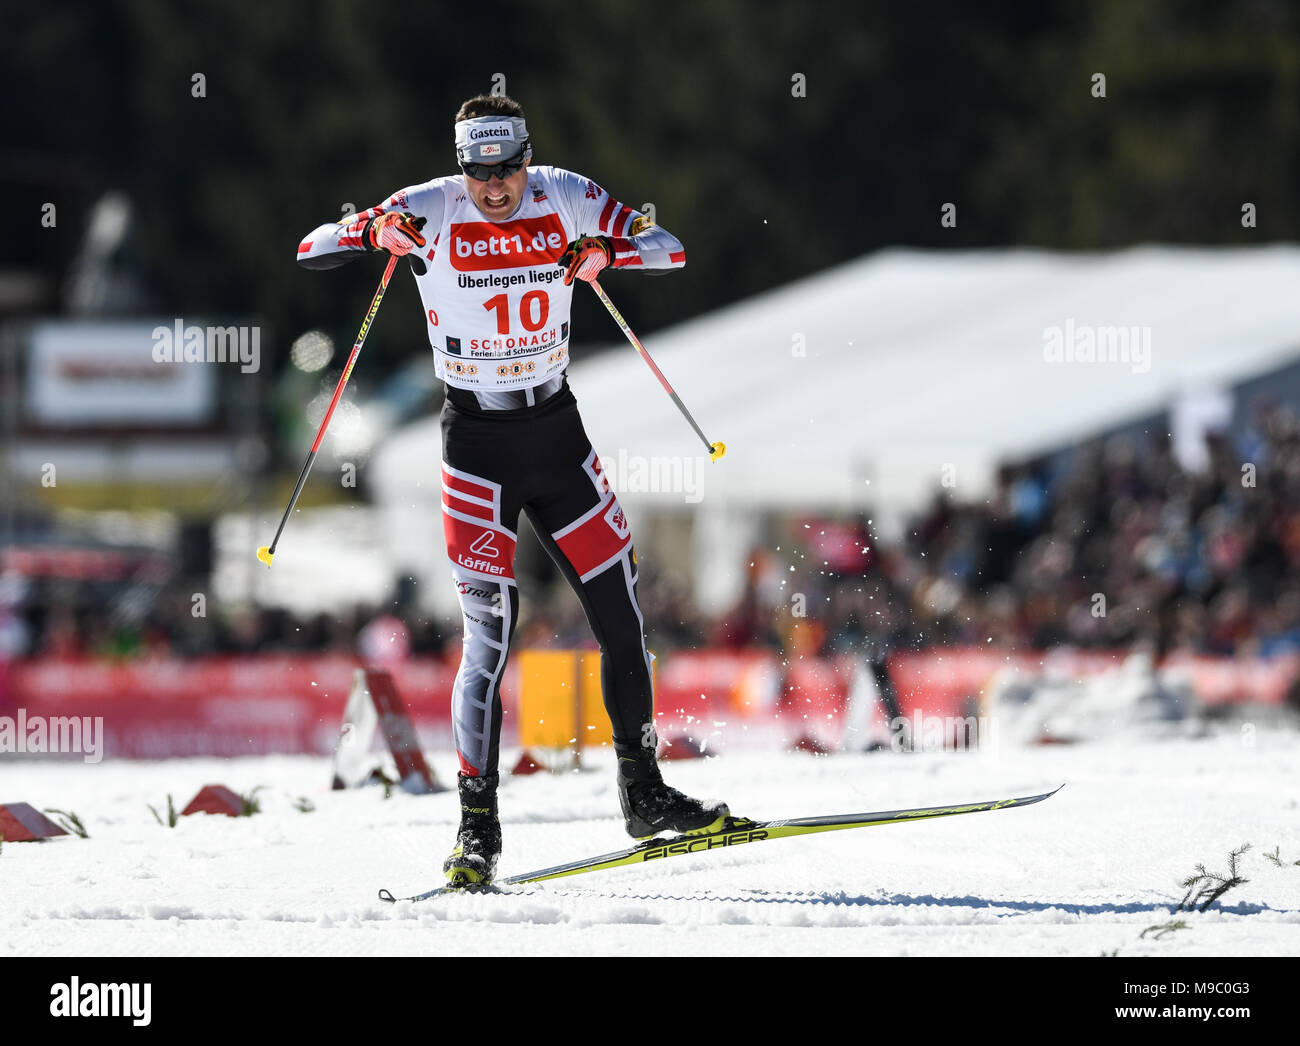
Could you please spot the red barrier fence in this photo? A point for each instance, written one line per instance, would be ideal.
(222, 706)
(260, 704)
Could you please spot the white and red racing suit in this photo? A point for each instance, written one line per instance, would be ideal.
(497, 313)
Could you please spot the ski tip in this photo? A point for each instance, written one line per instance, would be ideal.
(1029, 800)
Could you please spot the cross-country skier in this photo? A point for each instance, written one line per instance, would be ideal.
(495, 258)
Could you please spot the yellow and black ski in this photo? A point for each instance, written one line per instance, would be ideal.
(737, 832)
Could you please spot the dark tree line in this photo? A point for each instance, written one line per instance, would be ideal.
(695, 107)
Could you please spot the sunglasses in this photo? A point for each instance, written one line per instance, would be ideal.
(481, 172)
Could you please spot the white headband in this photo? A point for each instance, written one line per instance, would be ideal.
(491, 139)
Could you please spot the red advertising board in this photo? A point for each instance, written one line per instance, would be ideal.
(259, 704)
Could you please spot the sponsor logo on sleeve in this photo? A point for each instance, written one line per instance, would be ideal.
(640, 224)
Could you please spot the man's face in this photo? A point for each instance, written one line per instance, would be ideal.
(497, 198)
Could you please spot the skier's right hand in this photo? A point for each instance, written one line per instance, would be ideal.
(394, 232)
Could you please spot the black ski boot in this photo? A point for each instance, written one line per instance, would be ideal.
(651, 807)
(478, 843)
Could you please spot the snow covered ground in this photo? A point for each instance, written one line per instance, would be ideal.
(1081, 874)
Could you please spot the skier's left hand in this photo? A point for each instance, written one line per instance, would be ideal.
(585, 258)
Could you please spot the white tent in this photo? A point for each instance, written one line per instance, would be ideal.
(868, 385)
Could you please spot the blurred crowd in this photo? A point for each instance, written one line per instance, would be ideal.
(1111, 545)
(66, 620)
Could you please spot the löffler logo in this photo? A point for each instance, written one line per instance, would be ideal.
(484, 547)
